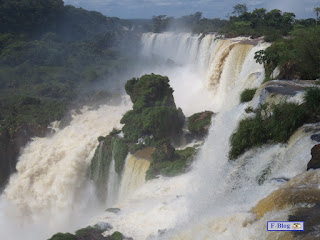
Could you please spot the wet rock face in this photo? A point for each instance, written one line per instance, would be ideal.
(277, 91)
(311, 218)
(315, 137)
(314, 163)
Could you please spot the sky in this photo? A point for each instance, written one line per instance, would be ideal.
(129, 9)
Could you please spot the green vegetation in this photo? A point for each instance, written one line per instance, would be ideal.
(154, 112)
(178, 165)
(195, 22)
(49, 53)
(270, 124)
(312, 99)
(199, 123)
(274, 123)
(156, 120)
(109, 147)
(20, 111)
(120, 152)
(63, 236)
(273, 24)
(46, 58)
(116, 236)
(84, 231)
(34, 18)
(88, 233)
(247, 95)
(100, 163)
(298, 57)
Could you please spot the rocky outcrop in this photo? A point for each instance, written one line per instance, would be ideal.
(314, 163)
(311, 218)
(277, 91)
(300, 190)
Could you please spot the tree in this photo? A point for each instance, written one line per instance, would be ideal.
(317, 10)
(160, 23)
(240, 9)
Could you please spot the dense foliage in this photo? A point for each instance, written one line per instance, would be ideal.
(273, 24)
(154, 112)
(259, 22)
(274, 123)
(298, 57)
(19, 111)
(247, 95)
(119, 151)
(178, 165)
(40, 59)
(63, 236)
(88, 233)
(34, 18)
(199, 123)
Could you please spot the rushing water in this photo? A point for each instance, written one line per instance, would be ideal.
(212, 201)
(49, 192)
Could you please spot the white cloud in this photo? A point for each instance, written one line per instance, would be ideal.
(210, 8)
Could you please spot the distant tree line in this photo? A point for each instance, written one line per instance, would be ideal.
(273, 24)
(48, 52)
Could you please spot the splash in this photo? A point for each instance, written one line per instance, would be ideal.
(134, 175)
(50, 184)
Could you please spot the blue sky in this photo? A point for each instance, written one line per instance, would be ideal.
(177, 8)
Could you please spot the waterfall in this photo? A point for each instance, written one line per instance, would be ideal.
(212, 201)
(210, 71)
(113, 184)
(51, 185)
(133, 176)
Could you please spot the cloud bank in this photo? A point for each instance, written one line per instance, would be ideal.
(210, 8)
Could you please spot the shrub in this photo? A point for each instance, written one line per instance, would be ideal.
(154, 112)
(117, 236)
(199, 123)
(120, 151)
(273, 124)
(180, 163)
(63, 236)
(84, 231)
(312, 99)
(247, 95)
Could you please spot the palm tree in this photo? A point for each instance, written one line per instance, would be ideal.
(317, 10)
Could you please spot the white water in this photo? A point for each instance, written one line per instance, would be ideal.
(113, 185)
(210, 202)
(133, 176)
(207, 72)
(214, 199)
(49, 192)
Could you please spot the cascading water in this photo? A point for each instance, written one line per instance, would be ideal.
(212, 201)
(170, 203)
(206, 71)
(113, 185)
(49, 192)
(134, 175)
